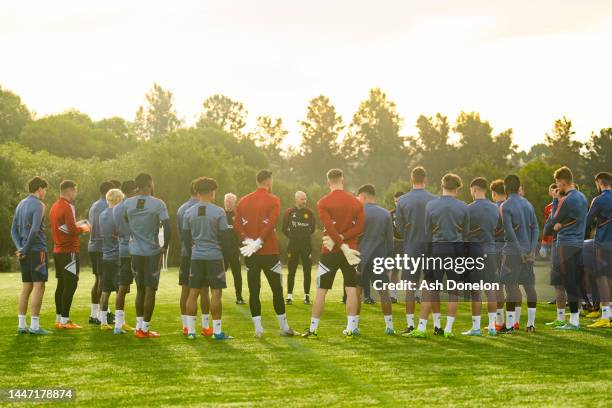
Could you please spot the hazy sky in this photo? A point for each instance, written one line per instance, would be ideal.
(521, 64)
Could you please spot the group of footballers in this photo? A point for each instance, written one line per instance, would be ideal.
(125, 246)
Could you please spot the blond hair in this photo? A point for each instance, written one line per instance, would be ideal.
(114, 196)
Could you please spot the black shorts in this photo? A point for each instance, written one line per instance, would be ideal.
(110, 275)
(489, 273)
(328, 266)
(368, 276)
(184, 267)
(146, 270)
(209, 273)
(34, 267)
(67, 264)
(444, 256)
(555, 272)
(516, 272)
(603, 260)
(96, 262)
(414, 250)
(126, 276)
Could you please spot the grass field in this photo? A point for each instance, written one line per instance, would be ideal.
(549, 368)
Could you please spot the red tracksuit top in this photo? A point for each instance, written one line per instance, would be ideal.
(66, 239)
(256, 217)
(341, 214)
(547, 239)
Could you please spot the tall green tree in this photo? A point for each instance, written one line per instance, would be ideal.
(269, 135)
(14, 115)
(564, 150)
(157, 117)
(225, 113)
(599, 152)
(431, 147)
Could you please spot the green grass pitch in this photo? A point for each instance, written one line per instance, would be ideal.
(548, 368)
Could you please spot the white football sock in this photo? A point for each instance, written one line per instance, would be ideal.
(282, 322)
(351, 323)
(22, 321)
(217, 326)
(102, 317)
(561, 314)
(492, 317)
(389, 321)
(145, 326)
(410, 320)
(119, 318)
(58, 318)
(314, 323)
(290, 296)
(517, 314)
(257, 323)
(575, 319)
(531, 314)
(34, 323)
(191, 324)
(357, 321)
(605, 312)
(449, 324)
(184, 321)
(475, 322)
(94, 310)
(63, 320)
(509, 319)
(205, 321)
(499, 317)
(393, 293)
(139, 322)
(422, 325)
(437, 320)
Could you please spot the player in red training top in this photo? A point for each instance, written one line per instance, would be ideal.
(343, 219)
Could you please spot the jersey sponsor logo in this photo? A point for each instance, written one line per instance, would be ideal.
(244, 221)
(140, 203)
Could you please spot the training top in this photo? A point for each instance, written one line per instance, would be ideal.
(447, 219)
(64, 230)
(202, 226)
(123, 229)
(547, 239)
(256, 217)
(144, 214)
(341, 214)
(377, 238)
(95, 238)
(571, 213)
(601, 213)
(520, 226)
(299, 224)
(28, 229)
(484, 217)
(410, 215)
(179, 221)
(110, 235)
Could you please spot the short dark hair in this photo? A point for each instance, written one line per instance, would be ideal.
(451, 181)
(498, 186)
(204, 185)
(479, 182)
(418, 175)
(115, 183)
(143, 180)
(512, 184)
(128, 187)
(263, 175)
(368, 189)
(552, 186)
(35, 183)
(398, 194)
(105, 186)
(67, 184)
(604, 178)
(564, 173)
(334, 174)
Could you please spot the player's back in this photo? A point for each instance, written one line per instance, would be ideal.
(144, 214)
(109, 232)
(123, 229)
(377, 238)
(484, 219)
(179, 220)
(344, 211)
(24, 218)
(411, 213)
(205, 221)
(603, 220)
(95, 238)
(447, 219)
(575, 206)
(515, 225)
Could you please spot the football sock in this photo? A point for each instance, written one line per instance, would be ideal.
(449, 324)
(184, 321)
(351, 323)
(492, 317)
(282, 322)
(410, 320)
(58, 317)
(217, 326)
(509, 319)
(191, 324)
(605, 312)
(437, 320)
(102, 316)
(422, 325)
(22, 321)
(139, 322)
(357, 321)
(306, 296)
(531, 314)
(575, 319)
(561, 315)
(499, 317)
(34, 323)
(205, 320)
(63, 320)
(289, 295)
(94, 310)
(314, 323)
(389, 321)
(257, 323)
(145, 326)
(517, 314)
(119, 318)
(475, 322)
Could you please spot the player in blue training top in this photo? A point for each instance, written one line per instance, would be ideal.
(144, 214)
(410, 222)
(447, 222)
(206, 234)
(28, 234)
(376, 242)
(600, 215)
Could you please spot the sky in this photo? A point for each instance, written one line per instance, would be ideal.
(521, 64)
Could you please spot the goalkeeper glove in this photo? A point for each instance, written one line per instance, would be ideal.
(328, 242)
(351, 255)
(251, 246)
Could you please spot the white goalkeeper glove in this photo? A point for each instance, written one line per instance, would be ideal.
(544, 251)
(328, 242)
(250, 246)
(352, 256)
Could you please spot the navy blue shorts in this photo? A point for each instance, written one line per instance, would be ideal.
(110, 275)
(490, 262)
(146, 270)
(184, 268)
(516, 272)
(443, 257)
(603, 259)
(34, 267)
(209, 273)
(414, 250)
(126, 276)
(96, 262)
(368, 276)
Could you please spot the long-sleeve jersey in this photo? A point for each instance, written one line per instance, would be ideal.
(64, 231)
(179, 221)
(256, 217)
(447, 220)
(520, 226)
(95, 238)
(600, 214)
(123, 229)
(547, 238)
(377, 238)
(484, 217)
(110, 235)
(28, 228)
(299, 224)
(410, 215)
(343, 219)
(571, 213)
(397, 236)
